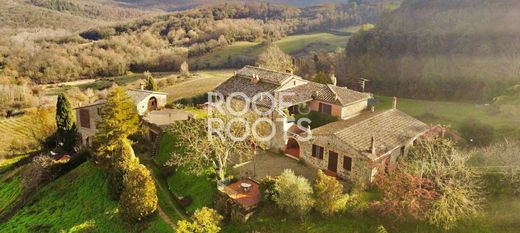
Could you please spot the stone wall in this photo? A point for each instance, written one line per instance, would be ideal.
(88, 133)
(360, 163)
(353, 109)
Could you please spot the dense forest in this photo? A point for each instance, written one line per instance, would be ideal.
(163, 42)
(440, 49)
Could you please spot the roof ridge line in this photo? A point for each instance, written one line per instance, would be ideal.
(335, 94)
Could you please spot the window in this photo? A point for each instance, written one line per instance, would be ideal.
(84, 118)
(325, 108)
(347, 163)
(317, 151)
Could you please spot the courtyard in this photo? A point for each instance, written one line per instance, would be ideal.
(267, 163)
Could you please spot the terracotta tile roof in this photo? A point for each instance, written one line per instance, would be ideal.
(247, 199)
(391, 128)
(327, 93)
(265, 75)
(250, 89)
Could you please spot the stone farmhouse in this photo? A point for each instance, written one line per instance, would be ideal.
(349, 147)
(149, 106)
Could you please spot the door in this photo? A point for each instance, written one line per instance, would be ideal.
(333, 161)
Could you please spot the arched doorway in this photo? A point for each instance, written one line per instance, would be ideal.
(152, 104)
(292, 148)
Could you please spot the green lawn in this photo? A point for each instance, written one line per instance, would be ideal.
(294, 45)
(447, 113)
(166, 147)
(77, 202)
(201, 188)
(9, 192)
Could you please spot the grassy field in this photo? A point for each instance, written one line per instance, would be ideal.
(9, 192)
(77, 202)
(203, 82)
(294, 45)
(447, 113)
(200, 188)
(15, 128)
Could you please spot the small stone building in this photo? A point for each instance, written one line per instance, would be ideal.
(238, 201)
(88, 115)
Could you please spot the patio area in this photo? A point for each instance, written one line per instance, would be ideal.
(270, 164)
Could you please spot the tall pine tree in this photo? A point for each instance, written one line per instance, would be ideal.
(119, 120)
(66, 128)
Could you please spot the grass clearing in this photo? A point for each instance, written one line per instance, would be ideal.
(447, 113)
(77, 202)
(201, 188)
(294, 45)
(203, 82)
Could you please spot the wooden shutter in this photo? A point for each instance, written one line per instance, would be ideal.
(347, 163)
(84, 118)
(317, 151)
(325, 108)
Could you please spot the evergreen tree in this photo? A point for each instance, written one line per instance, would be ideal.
(150, 82)
(121, 162)
(66, 129)
(119, 120)
(139, 197)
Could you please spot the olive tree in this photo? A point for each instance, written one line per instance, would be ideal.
(294, 194)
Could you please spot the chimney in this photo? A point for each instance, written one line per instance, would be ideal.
(333, 79)
(394, 103)
(141, 86)
(372, 108)
(255, 78)
(373, 145)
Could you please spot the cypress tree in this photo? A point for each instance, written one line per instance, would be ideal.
(66, 128)
(150, 82)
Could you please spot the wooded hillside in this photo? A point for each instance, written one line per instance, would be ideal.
(440, 49)
(162, 43)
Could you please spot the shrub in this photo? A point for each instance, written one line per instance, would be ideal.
(459, 188)
(139, 197)
(294, 194)
(477, 133)
(329, 195)
(267, 189)
(204, 220)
